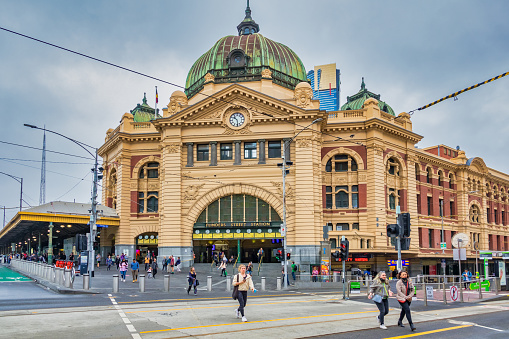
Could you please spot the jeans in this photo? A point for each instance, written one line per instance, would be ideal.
(405, 310)
(384, 310)
(242, 297)
(122, 274)
(293, 275)
(135, 274)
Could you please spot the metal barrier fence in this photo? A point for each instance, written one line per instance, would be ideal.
(61, 276)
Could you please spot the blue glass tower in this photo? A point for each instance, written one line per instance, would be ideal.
(325, 83)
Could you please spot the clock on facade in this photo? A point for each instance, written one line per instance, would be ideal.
(237, 119)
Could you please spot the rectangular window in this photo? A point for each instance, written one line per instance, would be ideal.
(330, 227)
(355, 226)
(226, 152)
(141, 202)
(368, 243)
(488, 218)
(341, 197)
(225, 209)
(250, 208)
(202, 152)
(263, 211)
(152, 172)
(355, 196)
(333, 243)
(342, 227)
(362, 243)
(152, 202)
(274, 149)
(213, 212)
(328, 196)
(441, 206)
(341, 166)
(238, 208)
(250, 150)
(430, 237)
(418, 204)
(451, 208)
(495, 216)
(430, 205)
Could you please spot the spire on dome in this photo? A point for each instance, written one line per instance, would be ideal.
(248, 25)
(363, 85)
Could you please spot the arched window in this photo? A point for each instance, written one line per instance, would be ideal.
(341, 163)
(474, 214)
(393, 199)
(149, 170)
(111, 192)
(451, 180)
(440, 178)
(393, 167)
(429, 175)
(148, 202)
(417, 172)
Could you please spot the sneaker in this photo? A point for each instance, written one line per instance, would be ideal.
(383, 327)
(244, 319)
(237, 314)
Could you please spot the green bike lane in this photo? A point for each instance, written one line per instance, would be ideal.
(8, 275)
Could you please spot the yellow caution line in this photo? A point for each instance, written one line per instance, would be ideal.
(259, 321)
(428, 332)
(191, 299)
(204, 307)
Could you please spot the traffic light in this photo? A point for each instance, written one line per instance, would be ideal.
(336, 255)
(279, 255)
(343, 247)
(405, 244)
(288, 255)
(404, 225)
(393, 230)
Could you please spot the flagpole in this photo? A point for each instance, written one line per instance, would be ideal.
(155, 110)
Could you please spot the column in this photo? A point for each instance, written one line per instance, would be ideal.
(261, 146)
(238, 153)
(287, 149)
(190, 156)
(213, 153)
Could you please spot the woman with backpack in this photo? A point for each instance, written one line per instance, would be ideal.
(244, 282)
(380, 291)
(405, 291)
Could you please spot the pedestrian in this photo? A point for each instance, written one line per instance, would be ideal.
(172, 264)
(147, 262)
(232, 260)
(192, 280)
(260, 255)
(149, 272)
(108, 263)
(216, 261)
(405, 291)
(98, 257)
(283, 276)
(380, 291)
(177, 264)
(314, 274)
(223, 268)
(117, 261)
(123, 269)
(225, 259)
(165, 264)
(294, 269)
(249, 269)
(135, 267)
(467, 277)
(244, 283)
(154, 267)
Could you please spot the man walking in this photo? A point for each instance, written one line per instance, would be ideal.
(294, 269)
(134, 270)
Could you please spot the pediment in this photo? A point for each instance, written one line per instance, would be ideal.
(478, 164)
(217, 108)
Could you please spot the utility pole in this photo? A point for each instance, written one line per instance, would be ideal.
(398, 238)
(42, 194)
(343, 271)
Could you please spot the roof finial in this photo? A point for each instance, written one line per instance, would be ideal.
(248, 25)
(363, 85)
(144, 98)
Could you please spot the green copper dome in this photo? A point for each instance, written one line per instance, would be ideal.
(244, 57)
(143, 112)
(357, 100)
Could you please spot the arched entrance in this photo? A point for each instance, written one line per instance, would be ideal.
(146, 245)
(237, 225)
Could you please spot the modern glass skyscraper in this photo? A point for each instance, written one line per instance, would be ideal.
(325, 83)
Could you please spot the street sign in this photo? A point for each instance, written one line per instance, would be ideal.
(429, 292)
(443, 245)
(443, 264)
(485, 255)
(355, 287)
(395, 263)
(485, 284)
(454, 293)
(459, 253)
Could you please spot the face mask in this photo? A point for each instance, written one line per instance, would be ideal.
(404, 279)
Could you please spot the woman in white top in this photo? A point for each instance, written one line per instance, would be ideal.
(244, 283)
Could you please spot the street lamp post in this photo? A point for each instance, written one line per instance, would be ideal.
(283, 168)
(93, 210)
(20, 180)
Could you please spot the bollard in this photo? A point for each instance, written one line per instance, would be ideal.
(142, 283)
(209, 283)
(263, 283)
(60, 276)
(278, 283)
(115, 283)
(496, 281)
(228, 284)
(166, 282)
(336, 276)
(86, 281)
(68, 282)
(425, 294)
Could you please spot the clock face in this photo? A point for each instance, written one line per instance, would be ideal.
(237, 119)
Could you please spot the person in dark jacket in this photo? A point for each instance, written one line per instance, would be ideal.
(193, 282)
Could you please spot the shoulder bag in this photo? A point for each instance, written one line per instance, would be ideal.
(235, 293)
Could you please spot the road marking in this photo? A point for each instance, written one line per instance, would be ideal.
(191, 299)
(257, 321)
(456, 322)
(430, 332)
(222, 306)
(124, 318)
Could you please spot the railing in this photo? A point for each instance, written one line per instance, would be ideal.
(56, 275)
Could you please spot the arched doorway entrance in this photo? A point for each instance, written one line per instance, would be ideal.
(146, 245)
(237, 225)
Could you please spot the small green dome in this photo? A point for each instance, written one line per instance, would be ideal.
(143, 112)
(357, 100)
(243, 58)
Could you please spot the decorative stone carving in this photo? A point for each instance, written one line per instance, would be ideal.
(379, 150)
(266, 73)
(191, 192)
(230, 131)
(290, 192)
(173, 147)
(303, 95)
(304, 142)
(209, 78)
(177, 100)
(214, 115)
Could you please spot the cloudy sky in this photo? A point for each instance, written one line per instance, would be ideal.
(410, 52)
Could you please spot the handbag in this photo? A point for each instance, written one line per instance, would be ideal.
(377, 298)
(197, 282)
(235, 293)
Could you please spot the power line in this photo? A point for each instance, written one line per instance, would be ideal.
(40, 149)
(67, 175)
(50, 162)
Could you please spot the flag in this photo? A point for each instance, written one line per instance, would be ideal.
(157, 96)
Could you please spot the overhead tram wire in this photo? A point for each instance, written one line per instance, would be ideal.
(157, 79)
(49, 162)
(40, 149)
(455, 94)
